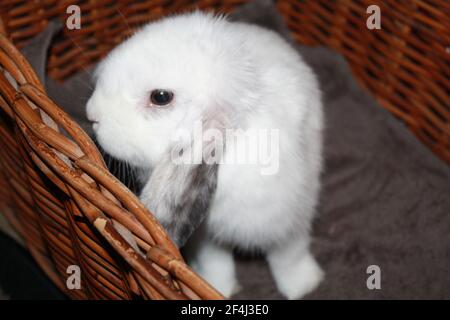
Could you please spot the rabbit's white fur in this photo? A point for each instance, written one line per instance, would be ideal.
(246, 77)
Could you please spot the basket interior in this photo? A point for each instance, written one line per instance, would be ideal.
(405, 65)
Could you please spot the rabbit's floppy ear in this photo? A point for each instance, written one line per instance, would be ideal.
(179, 194)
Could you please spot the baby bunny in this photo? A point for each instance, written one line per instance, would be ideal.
(235, 80)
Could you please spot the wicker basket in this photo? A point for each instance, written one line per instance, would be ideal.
(57, 192)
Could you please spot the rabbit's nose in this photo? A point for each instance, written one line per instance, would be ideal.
(90, 114)
(92, 118)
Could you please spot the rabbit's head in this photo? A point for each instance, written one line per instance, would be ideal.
(168, 76)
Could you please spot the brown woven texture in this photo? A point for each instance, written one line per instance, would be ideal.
(57, 192)
(405, 64)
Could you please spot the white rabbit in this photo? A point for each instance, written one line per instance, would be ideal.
(195, 67)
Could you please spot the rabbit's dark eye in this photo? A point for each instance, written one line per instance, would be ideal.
(161, 97)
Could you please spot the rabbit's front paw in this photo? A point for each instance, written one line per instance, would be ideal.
(226, 286)
(222, 279)
(215, 264)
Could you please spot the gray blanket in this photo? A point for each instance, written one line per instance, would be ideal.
(385, 199)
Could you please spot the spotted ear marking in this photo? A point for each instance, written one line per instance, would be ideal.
(180, 194)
